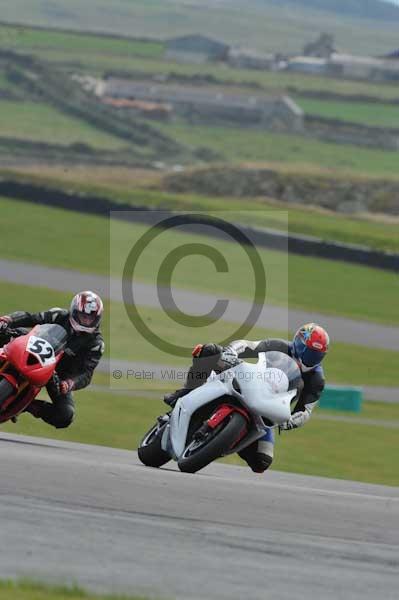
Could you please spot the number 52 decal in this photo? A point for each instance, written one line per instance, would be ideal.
(42, 349)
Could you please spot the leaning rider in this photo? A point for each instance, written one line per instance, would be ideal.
(85, 346)
(308, 348)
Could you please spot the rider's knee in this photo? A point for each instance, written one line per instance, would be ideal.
(210, 350)
(63, 417)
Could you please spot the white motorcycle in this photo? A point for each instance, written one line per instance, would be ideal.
(224, 415)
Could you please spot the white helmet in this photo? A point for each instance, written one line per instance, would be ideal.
(85, 312)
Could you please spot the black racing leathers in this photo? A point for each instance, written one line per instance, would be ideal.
(81, 356)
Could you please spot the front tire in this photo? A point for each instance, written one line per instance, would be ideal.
(200, 453)
(6, 389)
(150, 451)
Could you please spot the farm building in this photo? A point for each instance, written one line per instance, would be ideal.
(250, 59)
(308, 64)
(363, 67)
(195, 49)
(392, 55)
(212, 103)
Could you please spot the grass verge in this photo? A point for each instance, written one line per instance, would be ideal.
(31, 590)
(339, 450)
(144, 188)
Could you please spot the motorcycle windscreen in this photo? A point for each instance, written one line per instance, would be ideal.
(289, 366)
(265, 390)
(52, 333)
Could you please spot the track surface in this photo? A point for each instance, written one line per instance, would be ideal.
(192, 302)
(95, 515)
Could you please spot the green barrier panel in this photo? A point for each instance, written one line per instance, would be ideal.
(338, 397)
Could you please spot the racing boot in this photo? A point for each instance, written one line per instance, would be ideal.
(35, 408)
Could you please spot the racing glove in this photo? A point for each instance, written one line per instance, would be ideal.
(299, 418)
(66, 386)
(4, 322)
(229, 357)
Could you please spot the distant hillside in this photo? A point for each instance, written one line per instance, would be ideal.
(364, 9)
(359, 26)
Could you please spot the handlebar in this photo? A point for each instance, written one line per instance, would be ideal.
(17, 332)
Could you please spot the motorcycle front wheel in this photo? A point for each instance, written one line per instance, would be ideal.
(6, 389)
(150, 451)
(205, 448)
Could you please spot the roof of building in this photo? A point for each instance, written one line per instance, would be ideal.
(308, 60)
(196, 42)
(191, 94)
(392, 55)
(250, 53)
(352, 59)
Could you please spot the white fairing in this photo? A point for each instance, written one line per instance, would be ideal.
(263, 391)
(186, 406)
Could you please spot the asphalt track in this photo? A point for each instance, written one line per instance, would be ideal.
(94, 515)
(192, 302)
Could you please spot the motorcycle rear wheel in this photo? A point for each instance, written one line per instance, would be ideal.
(198, 455)
(150, 451)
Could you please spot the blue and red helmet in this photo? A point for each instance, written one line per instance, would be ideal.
(310, 345)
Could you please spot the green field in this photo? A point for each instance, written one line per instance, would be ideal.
(128, 186)
(27, 39)
(355, 112)
(346, 288)
(43, 123)
(252, 145)
(30, 590)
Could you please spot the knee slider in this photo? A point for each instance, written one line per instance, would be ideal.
(210, 350)
(261, 463)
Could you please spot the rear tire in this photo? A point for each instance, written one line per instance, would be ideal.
(194, 459)
(150, 451)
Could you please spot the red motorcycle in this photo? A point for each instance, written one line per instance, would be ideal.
(27, 363)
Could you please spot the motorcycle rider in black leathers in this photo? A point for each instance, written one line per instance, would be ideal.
(82, 353)
(308, 348)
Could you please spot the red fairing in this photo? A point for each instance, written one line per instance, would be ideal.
(222, 412)
(17, 354)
